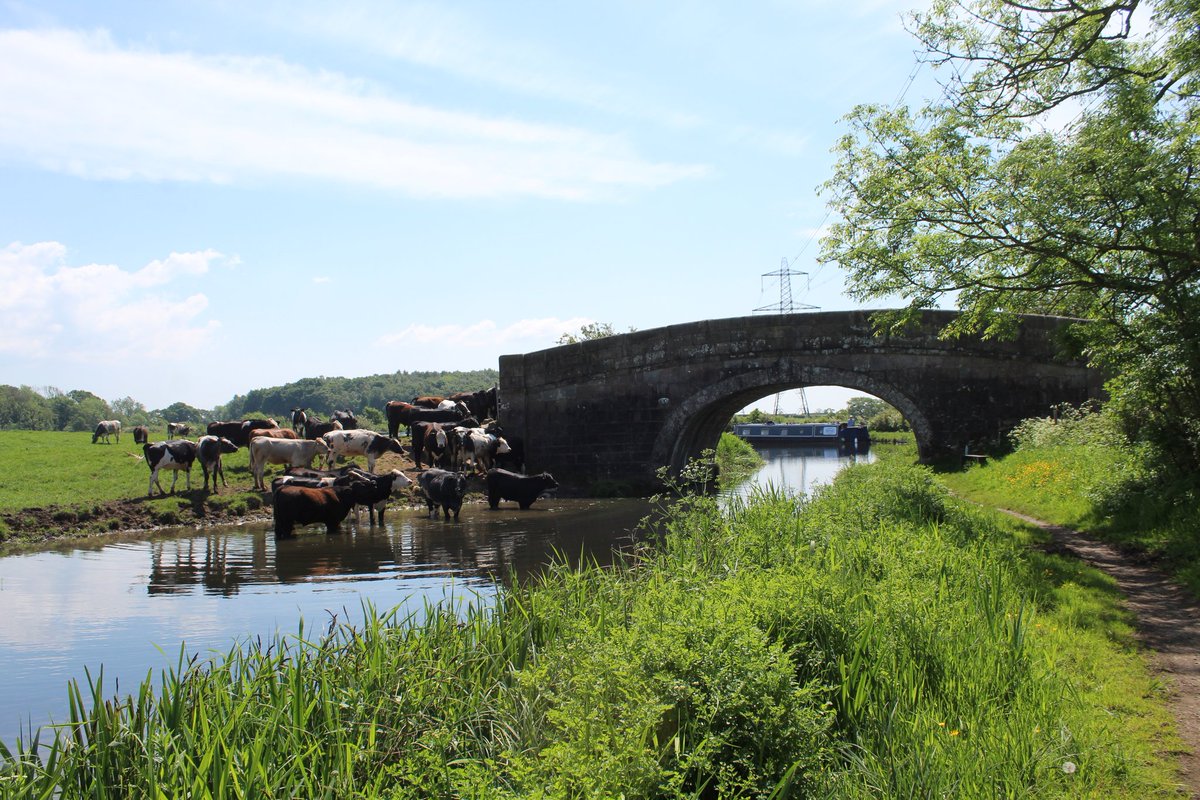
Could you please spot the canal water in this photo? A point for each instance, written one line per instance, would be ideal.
(131, 604)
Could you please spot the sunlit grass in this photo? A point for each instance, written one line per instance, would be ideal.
(44, 468)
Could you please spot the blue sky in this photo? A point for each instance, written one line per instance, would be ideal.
(201, 198)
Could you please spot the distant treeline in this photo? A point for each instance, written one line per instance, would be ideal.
(78, 410)
(324, 395)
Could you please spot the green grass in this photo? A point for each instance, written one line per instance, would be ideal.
(1080, 475)
(737, 459)
(43, 468)
(876, 639)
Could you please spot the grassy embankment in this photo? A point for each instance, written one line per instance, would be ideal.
(55, 484)
(1079, 472)
(879, 639)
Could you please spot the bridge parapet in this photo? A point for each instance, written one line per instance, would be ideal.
(618, 408)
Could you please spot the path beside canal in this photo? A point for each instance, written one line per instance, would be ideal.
(1168, 624)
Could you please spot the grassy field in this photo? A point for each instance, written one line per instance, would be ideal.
(55, 484)
(42, 468)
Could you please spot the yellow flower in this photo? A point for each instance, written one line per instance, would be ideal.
(954, 733)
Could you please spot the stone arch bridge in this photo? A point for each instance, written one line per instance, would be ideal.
(618, 408)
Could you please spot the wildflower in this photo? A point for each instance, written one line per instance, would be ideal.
(1069, 767)
(954, 732)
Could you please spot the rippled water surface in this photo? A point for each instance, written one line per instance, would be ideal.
(131, 603)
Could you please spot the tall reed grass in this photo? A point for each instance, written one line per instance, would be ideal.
(874, 640)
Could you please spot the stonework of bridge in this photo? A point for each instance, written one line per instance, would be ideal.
(616, 409)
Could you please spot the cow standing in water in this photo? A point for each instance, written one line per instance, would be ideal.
(443, 489)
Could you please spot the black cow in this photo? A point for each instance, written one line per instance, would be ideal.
(141, 434)
(524, 489)
(399, 413)
(314, 428)
(175, 455)
(208, 451)
(374, 490)
(301, 505)
(238, 432)
(514, 459)
(443, 488)
(228, 430)
(346, 418)
(481, 404)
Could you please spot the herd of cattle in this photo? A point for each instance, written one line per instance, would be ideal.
(457, 436)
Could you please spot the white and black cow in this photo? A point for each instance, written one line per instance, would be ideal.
(524, 489)
(175, 455)
(106, 428)
(293, 452)
(177, 429)
(443, 489)
(479, 448)
(299, 417)
(360, 442)
(378, 489)
(208, 451)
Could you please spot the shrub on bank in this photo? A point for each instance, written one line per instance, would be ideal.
(876, 639)
(1079, 469)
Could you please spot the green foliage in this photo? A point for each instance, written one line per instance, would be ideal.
(325, 395)
(983, 199)
(25, 409)
(588, 332)
(182, 412)
(737, 460)
(888, 421)
(1079, 469)
(77, 410)
(863, 408)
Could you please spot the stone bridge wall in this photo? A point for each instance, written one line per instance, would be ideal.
(618, 408)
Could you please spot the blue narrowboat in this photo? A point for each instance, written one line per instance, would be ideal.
(808, 433)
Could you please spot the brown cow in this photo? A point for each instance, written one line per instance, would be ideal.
(302, 505)
(274, 433)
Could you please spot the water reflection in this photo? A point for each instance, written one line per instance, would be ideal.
(491, 545)
(801, 468)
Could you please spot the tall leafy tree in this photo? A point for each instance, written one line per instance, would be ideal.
(1057, 173)
(24, 408)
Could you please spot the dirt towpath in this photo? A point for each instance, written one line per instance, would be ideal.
(1168, 624)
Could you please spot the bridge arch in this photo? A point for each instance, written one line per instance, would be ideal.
(697, 422)
(619, 408)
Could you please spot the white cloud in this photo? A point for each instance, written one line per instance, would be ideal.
(486, 333)
(80, 104)
(101, 313)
